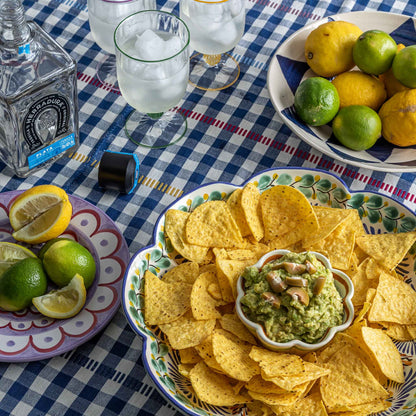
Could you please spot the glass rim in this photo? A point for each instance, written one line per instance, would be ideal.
(152, 11)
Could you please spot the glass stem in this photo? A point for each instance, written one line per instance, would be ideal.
(155, 116)
(212, 60)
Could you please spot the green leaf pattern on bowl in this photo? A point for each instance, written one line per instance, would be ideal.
(377, 213)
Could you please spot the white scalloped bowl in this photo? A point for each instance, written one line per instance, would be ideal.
(344, 287)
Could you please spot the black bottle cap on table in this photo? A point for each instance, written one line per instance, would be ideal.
(118, 171)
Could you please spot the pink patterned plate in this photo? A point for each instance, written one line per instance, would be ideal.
(28, 335)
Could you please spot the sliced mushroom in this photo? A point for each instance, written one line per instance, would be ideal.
(296, 281)
(319, 285)
(299, 294)
(271, 298)
(310, 268)
(292, 268)
(276, 283)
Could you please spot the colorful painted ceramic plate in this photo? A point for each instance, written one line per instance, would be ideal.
(380, 214)
(29, 336)
(288, 68)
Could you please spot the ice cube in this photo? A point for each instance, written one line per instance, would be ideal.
(149, 46)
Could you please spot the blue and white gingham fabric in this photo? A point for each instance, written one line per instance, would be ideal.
(232, 134)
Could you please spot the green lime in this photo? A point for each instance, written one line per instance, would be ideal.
(46, 246)
(404, 66)
(357, 127)
(374, 51)
(21, 282)
(316, 101)
(11, 253)
(65, 258)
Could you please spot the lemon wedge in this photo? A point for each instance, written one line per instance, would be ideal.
(11, 253)
(63, 303)
(40, 214)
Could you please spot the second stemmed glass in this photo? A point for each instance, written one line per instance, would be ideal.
(216, 27)
(152, 54)
(104, 16)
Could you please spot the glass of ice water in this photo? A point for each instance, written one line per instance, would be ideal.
(152, 56)
(216, 27)
(104, 16)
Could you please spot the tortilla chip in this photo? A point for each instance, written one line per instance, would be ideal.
(234, 204)
(385, 353)
(259, 385)
(228, 272)
(175, 221)
(202, 303)
(258, 408)
(212, 225)
(362, 284)
(232, 323)
(285, 370)
(349, 383)
(328, 219)
(189, 356)
(387, 249)
(215, 291)
(397, 331)
(356, 223)
(187, 332)
(164, 302)
(311, 405)
(365, 409)
(185, 369)
(205, 351)
(283, 399)
(395, 302)
(338, 246)
(286, 211)
(214, 388)
(352, 339)
(231, 353)
(185, 272)
(250, 202)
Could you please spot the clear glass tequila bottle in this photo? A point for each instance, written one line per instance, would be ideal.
(38, 94)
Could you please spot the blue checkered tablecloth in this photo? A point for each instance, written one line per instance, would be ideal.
(232, 134)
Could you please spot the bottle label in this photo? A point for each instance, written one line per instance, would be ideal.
(51, 151)
(46, 119)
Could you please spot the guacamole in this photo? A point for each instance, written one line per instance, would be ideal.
(292, 297)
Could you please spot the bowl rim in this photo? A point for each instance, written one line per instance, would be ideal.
(293, 344)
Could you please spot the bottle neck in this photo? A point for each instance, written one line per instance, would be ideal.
(14, 29)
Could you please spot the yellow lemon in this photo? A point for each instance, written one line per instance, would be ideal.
(392, 84)
(11, 253)
(358, 88)
(328, 48)
(40, 214)
(398, 117)
(63, 303)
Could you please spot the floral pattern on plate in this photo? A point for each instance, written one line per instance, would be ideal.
(379, 214)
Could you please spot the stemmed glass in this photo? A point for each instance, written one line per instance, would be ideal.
(104, 16)
(216, 27)
(152, 55)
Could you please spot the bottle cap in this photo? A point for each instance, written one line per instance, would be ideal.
(118, 171)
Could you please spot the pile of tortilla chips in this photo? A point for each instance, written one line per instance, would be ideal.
(193, 305)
